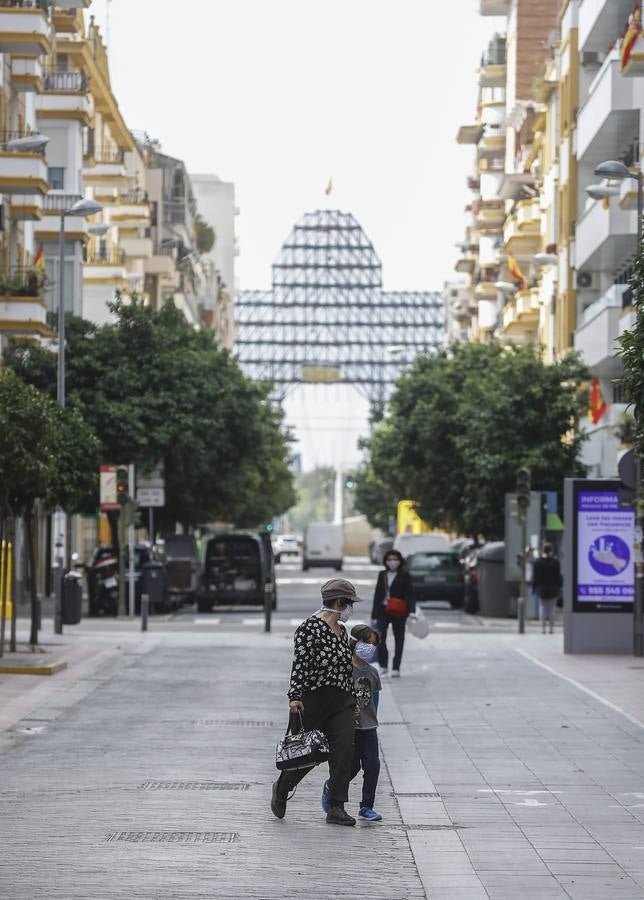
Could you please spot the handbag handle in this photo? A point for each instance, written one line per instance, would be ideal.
(292, 716)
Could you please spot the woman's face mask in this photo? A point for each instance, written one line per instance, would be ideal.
(393, 564)
(366, 652)
(345, 614)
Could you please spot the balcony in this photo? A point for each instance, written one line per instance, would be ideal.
(469, 134)
(27, 75)
(601, 22)
(73, 4)
(64, 97)
(23, 310)
(466, 264)
(492, 72)
(26, 208)
(137, 247)
(104, 264)
(605, 238)
(67, 20)
(49, 227)
(494, 7)
(609, 119)
(24, 27)
(596, 335)
(106, 167)
(132, 210)
(520, 318)
(162, 262)
(490, 215)
(21, 172)
(521, 230)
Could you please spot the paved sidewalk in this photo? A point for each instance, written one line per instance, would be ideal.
(152, 780)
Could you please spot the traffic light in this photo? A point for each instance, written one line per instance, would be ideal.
(349, 484)
(269, 527)
(122, 485)
(523, 488)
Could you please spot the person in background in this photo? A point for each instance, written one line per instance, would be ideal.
(547, 582)
(393, 582)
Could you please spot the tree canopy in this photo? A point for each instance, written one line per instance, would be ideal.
(632, 355)
(154, 391)
(462, 422)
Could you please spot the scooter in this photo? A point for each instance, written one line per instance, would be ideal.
(102, 580)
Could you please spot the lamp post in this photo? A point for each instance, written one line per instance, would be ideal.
(82, 208)
(617, 171)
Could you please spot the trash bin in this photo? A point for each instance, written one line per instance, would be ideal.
(496, 595)
(155, 584)
(72, 599)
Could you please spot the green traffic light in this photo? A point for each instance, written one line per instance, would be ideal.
(350, 483)
(269, 527)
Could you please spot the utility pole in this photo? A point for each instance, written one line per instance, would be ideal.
(523, 503)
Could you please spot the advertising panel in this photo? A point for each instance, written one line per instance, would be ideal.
(604, 572)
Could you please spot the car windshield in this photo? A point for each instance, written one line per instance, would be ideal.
(433, 562)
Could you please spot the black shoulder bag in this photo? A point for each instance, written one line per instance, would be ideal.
(300, 749)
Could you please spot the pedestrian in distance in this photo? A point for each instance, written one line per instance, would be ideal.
(321, 690)
(547, 582)
(393, 603)
(367, 686)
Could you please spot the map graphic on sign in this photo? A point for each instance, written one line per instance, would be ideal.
(609, 555)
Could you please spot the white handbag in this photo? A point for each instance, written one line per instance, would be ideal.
(418, 625)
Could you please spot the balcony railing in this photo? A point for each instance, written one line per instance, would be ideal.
(64, 81)
(25, 4)
(57, 203)
(22, 283)
(495, 54)
(109, 154)
(104, 254)
(136, 195)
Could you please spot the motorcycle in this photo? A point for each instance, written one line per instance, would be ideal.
(102, 582)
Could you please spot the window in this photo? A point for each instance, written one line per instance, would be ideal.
(56, 178)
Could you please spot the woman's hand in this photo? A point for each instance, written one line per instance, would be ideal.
(296, 706)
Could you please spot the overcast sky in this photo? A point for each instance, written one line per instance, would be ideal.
(280, 95)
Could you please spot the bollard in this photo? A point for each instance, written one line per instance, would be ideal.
(145, 605)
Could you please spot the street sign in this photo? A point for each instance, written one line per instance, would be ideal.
(108, 495)
(150, 496)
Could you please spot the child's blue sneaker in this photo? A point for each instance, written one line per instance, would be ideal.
(326, 797)
(366, 812)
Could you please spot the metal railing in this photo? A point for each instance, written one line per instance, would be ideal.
(59, 202)
(495, 54)
(64, 81)
(109, 154)
(22, 282)
(25, 4)
(135, 195)
(107, 254)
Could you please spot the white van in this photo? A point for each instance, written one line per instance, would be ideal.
(323, 546)
(435, 542)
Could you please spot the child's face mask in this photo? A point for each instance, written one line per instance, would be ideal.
(365, 651)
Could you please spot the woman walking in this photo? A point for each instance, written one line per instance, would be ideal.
(322, 691)
(393, 602)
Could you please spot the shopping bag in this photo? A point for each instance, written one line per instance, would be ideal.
(418, 625)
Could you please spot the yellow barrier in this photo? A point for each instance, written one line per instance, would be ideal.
(6, 580)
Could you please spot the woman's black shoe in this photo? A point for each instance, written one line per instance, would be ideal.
(278, 802)
(338, 816)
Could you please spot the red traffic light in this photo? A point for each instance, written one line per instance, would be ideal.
(122, 485)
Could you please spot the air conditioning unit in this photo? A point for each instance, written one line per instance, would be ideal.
(586, 281)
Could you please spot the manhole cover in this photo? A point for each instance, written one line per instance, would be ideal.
(232, 723)
(426, 794)
(194, 786)
(175, 837)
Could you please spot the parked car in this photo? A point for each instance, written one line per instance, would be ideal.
(430, 542)
(238, 569)
(181, 559)
(437, 576)
(285, 545)
(462, 546)
(323, 546)
(380, 550)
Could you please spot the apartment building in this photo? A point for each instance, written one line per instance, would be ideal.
(25, 42)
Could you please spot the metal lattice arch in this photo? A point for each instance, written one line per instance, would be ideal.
(327, 317)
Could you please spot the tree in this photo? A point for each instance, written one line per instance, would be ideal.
(205, 235)
(375, 498)
(314, 501)
(462, 422)
(155, 391)
(28, 461)
(632, 355)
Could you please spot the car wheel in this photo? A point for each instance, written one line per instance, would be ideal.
(338, 568)
(204, 606)
(305, 567)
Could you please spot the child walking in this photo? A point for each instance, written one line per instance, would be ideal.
(367, 686)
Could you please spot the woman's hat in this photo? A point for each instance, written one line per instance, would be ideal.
(339, 589)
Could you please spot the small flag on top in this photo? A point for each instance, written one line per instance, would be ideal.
(516, 272)
(596, 404)
(329, 187)
(39, 259)
(633, 30)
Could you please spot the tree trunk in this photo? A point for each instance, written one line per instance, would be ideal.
(29, 524)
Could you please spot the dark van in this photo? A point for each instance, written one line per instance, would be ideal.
(238, 570)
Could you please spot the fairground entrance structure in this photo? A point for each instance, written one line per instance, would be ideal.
(327, 318)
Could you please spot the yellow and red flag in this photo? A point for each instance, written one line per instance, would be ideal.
(516, 272)
(39, 259)
(633, 30)
(596, 404)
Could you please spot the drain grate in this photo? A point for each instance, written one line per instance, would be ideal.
(231, 723)
(428, 827)
(175, 837)
(383, 724)
(426, 794)
(194, 786)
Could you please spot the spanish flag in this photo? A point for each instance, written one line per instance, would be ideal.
(39, 259)
(596, 404)
(631, 34)
(329, 187)
(516, 272)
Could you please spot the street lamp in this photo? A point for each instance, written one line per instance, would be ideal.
(31, 143)
(617, 171)
(82, 208)
(602, 191)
